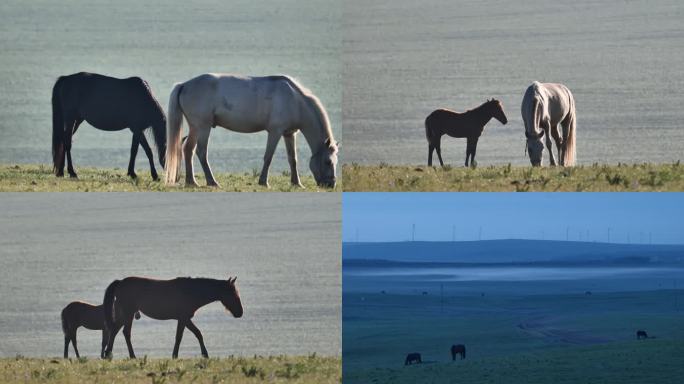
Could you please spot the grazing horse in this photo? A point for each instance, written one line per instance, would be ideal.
(277, 104)
(458, 349)
(176, 299)
(640, 334)
(108, 104)
(413, 358)
(468, 124)
(79, 314)
(544, 107)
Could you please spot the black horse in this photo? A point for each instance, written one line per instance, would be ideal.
(458, 349)
(413, 358)
(641, 334)
(108, 104)
(468, 124)
(176, 299)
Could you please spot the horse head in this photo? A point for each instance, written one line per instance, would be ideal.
(230, 298)
(535, 147)
(497, 111)
(323, 164)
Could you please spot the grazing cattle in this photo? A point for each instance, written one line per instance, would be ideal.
(413, 358)
(458, 349)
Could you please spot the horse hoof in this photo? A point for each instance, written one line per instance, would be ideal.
(298, 184)
(264, 183)
(73, 176)
(214, 185)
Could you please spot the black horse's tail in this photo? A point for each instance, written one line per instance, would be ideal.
(57, 127)
(108, 304)
(65, 325)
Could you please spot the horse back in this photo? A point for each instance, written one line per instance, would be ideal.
(454, 124)
(109, 103)
(79, 313)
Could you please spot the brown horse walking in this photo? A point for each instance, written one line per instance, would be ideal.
(468, 124)
(80, 314)
(176, 299)
(458, 349)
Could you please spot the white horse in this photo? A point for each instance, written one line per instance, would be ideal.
(544, 107)
(276, 104)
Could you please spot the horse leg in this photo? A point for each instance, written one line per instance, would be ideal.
(467, 152)
(179, 336)
(271, 144)
(191, 326)
(127, 334)
(67, 340)
(473, 149)
(104, 343)
(438, 147)
(73, 342)
(70, 129)
(150, 156)
(110, 340)
(431, 148)
(188, 152)
(552, 159)
(559, 144)
(202, 155)
(134, 153)
(291, 146)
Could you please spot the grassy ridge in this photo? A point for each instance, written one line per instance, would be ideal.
(39, 178)
(281, 369)
(621, 177)
(646, 361)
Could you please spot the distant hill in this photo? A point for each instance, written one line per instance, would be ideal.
(511, 251)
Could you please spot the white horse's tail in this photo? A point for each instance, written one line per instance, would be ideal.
(174, 125)
(570, 150)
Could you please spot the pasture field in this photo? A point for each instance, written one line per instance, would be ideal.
(652, 361)
(39, 178)
(280, 369)
(508, 178)
(512, 337)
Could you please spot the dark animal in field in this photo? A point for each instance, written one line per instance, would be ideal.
(640, 334)
(79, 314)
(468, 124)
(176, 299)
(108, 104)
(458, 349)
(412, 358)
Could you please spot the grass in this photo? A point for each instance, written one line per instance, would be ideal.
(237, 370)
(39, 178)
(647, 361)
(609, 178)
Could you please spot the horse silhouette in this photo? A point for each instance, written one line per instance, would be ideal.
(458, 349)
(80, 314)
(641, 334)
(176, 299)
(468, 124)
(108, 104)
(413, 358)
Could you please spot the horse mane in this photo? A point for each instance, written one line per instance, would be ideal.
(314, 104)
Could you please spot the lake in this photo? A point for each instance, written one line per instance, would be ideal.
(164, 42)
(403, 59)
(285, 251)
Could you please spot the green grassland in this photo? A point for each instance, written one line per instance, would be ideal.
(280, 369)
(621, 177)
(39, 178)
(645, 361)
